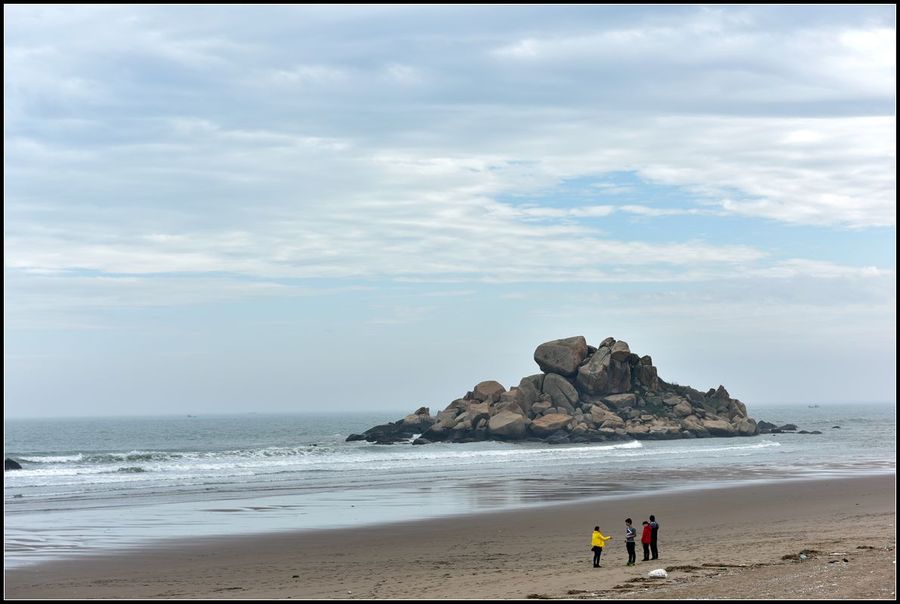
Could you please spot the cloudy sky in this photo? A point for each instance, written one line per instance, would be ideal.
(293, 208)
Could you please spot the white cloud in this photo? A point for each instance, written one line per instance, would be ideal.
(708, 48)
(657, 212)
(306, 74)
(427, 171)
(339, 173)
(404, 74)
(799, 267)
(333, 208)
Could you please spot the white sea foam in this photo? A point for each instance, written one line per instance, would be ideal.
(50, 458)
(270, 460)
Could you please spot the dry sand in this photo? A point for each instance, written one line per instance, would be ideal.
(717, 543)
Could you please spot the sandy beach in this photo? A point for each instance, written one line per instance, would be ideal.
(735, 542)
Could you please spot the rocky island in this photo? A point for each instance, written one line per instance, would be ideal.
(583, 394)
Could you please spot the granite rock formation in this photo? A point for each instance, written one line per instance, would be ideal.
(583, 394)
(765, 427)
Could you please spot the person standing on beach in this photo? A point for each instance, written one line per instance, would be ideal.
(645, 540)
(654, 531)
(630, 534)
(598, 540)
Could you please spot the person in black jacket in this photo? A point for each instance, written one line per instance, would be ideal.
(654, 531)
(630, 534)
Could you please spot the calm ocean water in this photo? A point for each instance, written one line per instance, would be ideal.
(88, 485)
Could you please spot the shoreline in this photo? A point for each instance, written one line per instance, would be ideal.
(498, 554)
(15, 560)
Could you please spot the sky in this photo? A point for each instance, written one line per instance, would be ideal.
(227, 209)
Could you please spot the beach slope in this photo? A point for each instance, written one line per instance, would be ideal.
(733, 542)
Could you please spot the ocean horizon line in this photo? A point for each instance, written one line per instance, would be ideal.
(398, 411)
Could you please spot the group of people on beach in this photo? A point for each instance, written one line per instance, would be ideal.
(648, 540)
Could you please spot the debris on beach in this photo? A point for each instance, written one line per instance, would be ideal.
(659, 573)
(802, 555)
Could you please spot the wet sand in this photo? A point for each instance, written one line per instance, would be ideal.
(717, 543)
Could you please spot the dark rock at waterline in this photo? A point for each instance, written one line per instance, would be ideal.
(558, 438)
(398, 431)
(11, 464)
(765, 427)
(584, 394)
(770, 428)
(835, 427)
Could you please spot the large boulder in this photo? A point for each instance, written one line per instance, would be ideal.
(477, 412)
(531, 388)
(619, 376)
(718, 427)
(507, 424)
(647, 377)
(562, 393)
(683, 409)
(636, 429)
(548, 424)
(620, 401)
(422, 416)
(612, 422)
(599, 414)
(766, 427)
(593, 376)
(717, 400)
(489, 391)
(540, 407)
(693, 424)
(620, 351)
(745, 426)
(457, 405)
(447, 418)
(561, 356)
(719, 394)
(511, 399)
(672, 399)
(736, 409)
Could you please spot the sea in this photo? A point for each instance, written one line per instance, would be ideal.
(93, 485)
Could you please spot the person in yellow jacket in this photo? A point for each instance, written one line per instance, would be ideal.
(598, 540)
